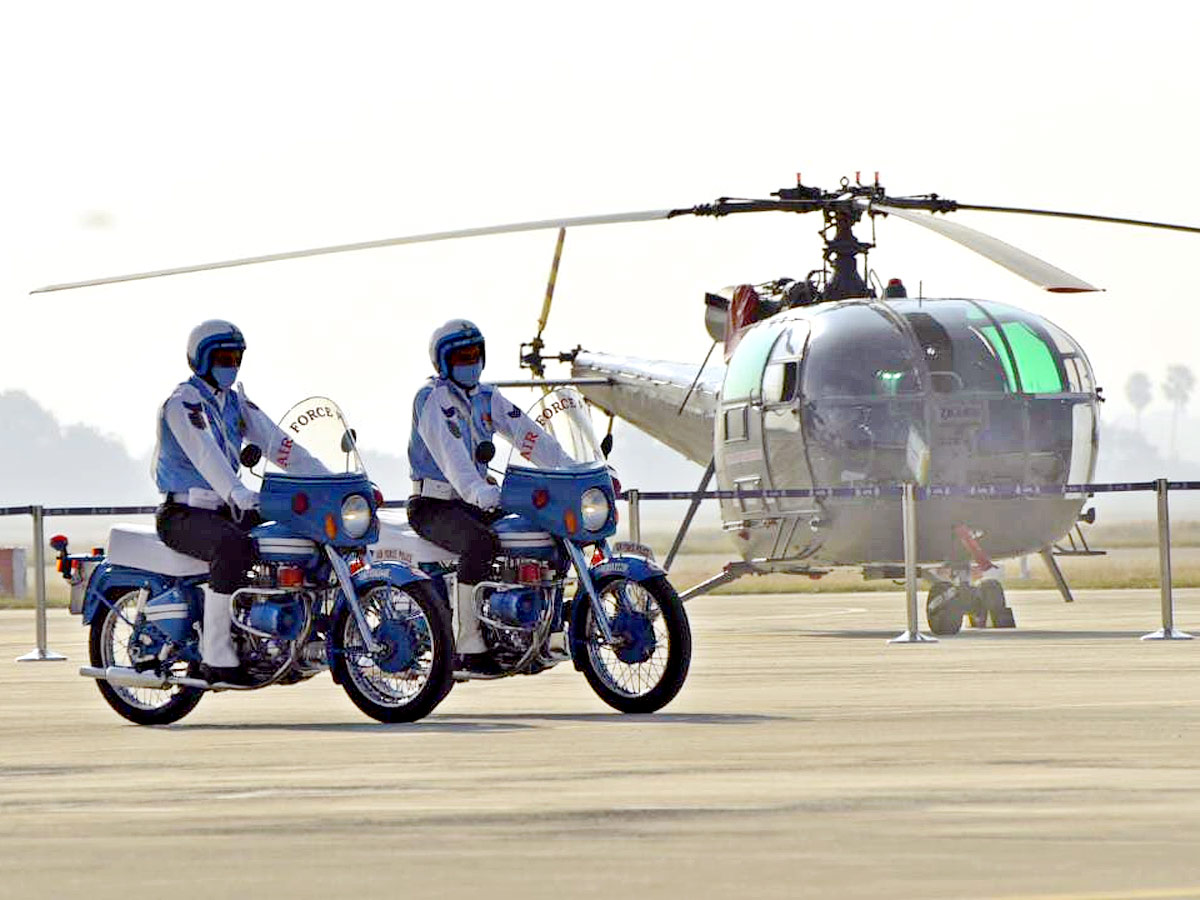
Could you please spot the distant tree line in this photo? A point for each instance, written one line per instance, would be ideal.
(1177, 388)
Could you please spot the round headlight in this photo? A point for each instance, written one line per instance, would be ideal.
(356, 515)
(594, 506)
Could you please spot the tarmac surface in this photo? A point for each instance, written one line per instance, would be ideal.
(805, 757)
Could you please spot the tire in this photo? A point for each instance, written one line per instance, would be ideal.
(943, 611)
(415, 670)
(991, 594)
(108, 645)
(656, 664)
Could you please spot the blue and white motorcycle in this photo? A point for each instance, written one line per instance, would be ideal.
(623, 626)
(316, 600)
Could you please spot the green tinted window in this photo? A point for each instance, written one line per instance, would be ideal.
(1035, 361)
(749, 359)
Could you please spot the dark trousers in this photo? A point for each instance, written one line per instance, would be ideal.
(213, 536)
(461, 527)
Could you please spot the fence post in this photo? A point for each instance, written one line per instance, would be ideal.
(40, 654)
(1168, 632)
(908, 509)
(635, 515)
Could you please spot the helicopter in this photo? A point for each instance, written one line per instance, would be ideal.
(837, 381)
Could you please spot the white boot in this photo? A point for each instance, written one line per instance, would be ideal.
(556, 646)
(216, 645)
(467, 636)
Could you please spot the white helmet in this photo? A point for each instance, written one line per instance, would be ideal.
(209, 336)
(454, 335)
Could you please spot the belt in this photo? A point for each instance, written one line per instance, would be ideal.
(197, 499)
(431, 487)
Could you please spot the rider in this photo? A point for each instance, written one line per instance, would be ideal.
(454, 501)
(207, 512)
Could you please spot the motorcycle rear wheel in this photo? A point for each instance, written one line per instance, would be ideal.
(414, 626)
(108, 645)
(658, 644)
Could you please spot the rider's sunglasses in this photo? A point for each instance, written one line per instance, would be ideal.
(226, 356)
(464, 356)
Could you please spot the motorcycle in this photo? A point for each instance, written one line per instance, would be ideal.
(315, 600)
(624, 627)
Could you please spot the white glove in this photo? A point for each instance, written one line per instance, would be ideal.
(488, 497)
(243, 498)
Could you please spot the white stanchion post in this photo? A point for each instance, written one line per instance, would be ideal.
(40, 654)
(635, 515)
(908, 508)
(1168, 632)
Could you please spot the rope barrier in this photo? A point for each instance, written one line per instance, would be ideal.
(910, 493)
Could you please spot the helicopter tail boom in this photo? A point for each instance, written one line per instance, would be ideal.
(650, 393)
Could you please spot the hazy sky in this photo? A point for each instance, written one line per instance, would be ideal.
(146, 135)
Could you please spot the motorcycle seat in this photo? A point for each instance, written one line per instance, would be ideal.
(397, 541)
(139, 547)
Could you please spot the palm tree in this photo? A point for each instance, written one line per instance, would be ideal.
(1177, 389)
(1137, 391)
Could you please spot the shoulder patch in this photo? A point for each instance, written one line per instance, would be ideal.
(196, 417)
(454, 429)
(515, 412)
(448, 412)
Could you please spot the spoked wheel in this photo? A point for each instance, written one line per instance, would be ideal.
(943, 609)
(412, 671)
(645, 667)
(109, 644)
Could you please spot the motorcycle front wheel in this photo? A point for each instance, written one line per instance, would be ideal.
(413, 669)
(108, 645)
(645, 666)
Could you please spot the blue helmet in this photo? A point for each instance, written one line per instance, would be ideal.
(209, 336)
(454, 335)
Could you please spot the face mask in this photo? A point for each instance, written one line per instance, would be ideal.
(224, 376)
(467, 376)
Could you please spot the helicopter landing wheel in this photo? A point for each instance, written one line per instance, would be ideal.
(994, 605)
(944, 609)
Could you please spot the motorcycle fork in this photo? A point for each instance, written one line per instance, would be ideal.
(342, 572)
(585, 578)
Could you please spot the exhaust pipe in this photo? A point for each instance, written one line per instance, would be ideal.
(127, 677)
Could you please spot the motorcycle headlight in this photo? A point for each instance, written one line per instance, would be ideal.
(595, 507)
(356, 515)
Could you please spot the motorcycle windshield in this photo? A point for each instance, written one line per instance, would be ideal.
(567, 416)
(318, 425)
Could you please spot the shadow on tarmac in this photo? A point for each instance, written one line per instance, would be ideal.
(479, 723)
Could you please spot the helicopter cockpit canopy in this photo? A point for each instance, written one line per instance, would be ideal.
(948, 391)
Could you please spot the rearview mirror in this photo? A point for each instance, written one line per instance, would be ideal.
(250, 455)
(349, 439)
(484, 452)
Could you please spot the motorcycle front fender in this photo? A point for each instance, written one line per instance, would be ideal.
(395, 572)
(631, 566)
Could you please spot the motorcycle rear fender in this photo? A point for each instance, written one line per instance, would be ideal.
(108, 578)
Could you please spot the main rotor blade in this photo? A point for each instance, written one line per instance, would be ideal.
(1088, 217)
(611, 219)
(1017, 261)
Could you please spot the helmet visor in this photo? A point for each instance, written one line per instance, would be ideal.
(226, 356)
